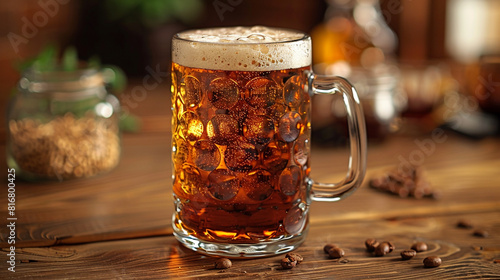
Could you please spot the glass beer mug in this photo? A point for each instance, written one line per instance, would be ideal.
(241, 129)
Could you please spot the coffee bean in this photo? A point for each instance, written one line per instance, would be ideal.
(408, 254)
(336, 253)
(295, 257)
(223, 263)
(286, 263)
(371, 244)
(404, 183)
(328, 247)
(432, 261)
(382, 249)
(480, 233)
(391, 246)
(464, 224)
(419, 246)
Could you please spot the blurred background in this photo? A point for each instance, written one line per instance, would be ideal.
(417, 64)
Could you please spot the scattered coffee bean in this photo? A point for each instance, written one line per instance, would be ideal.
(464, 224)
(371, 244)
(336, 253)
(480, 233)
(405, 183)
(382, 249)
(419, 246)
(496, 260)
(295, 257)
(432, 261)
(408, 254)
(223, 263)
(328, 247)
(391, 246)
(286, 263)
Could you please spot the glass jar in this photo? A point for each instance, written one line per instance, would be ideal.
(62, 125)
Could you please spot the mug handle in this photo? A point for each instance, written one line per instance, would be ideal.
(319, 84)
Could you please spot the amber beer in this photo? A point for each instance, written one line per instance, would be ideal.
(240, 146)
(241, 140)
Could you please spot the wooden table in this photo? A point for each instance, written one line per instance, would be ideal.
(117, 226)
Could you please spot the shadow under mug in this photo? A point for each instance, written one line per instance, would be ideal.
(241, 140)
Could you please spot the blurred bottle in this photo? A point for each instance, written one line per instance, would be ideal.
(353, 33)
(354, 41)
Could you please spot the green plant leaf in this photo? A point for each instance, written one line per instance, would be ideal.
(129, 123)
(155, 12)
(46, 59)
(70, 59)
(187, 10)
(115, 78)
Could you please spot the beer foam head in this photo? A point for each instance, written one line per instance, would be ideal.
(255, 48)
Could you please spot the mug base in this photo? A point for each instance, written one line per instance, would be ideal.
(267, 248)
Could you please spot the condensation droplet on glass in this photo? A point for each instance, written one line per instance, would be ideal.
(275, 156)
(223, 93)
(190, 91)
(258, 185)
(222, 129)
(223, 184)
(289, 126)
(290, 180)
(241, 156)
(293, 92)
(259, 130)
(206, 155)
(301, 149)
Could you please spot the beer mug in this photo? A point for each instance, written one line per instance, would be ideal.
(241, 140)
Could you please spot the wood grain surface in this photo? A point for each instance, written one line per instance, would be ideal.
(118, 225)
(463, 255)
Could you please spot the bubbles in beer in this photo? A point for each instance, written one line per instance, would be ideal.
(190, 179)
(301, 149)
(290, 180)
(259, 130)
(223, 93)
(223, 184)
(180, 151)
(275, 156)
(289, 126)
(276, 111)
(262, 92)
(222, 129)
(240, 112)
(190, 91)
(240, 153)
(293, 92)
(241, 156)
(258, 185)
(295, 220)
(190, 126)
(206, 155)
